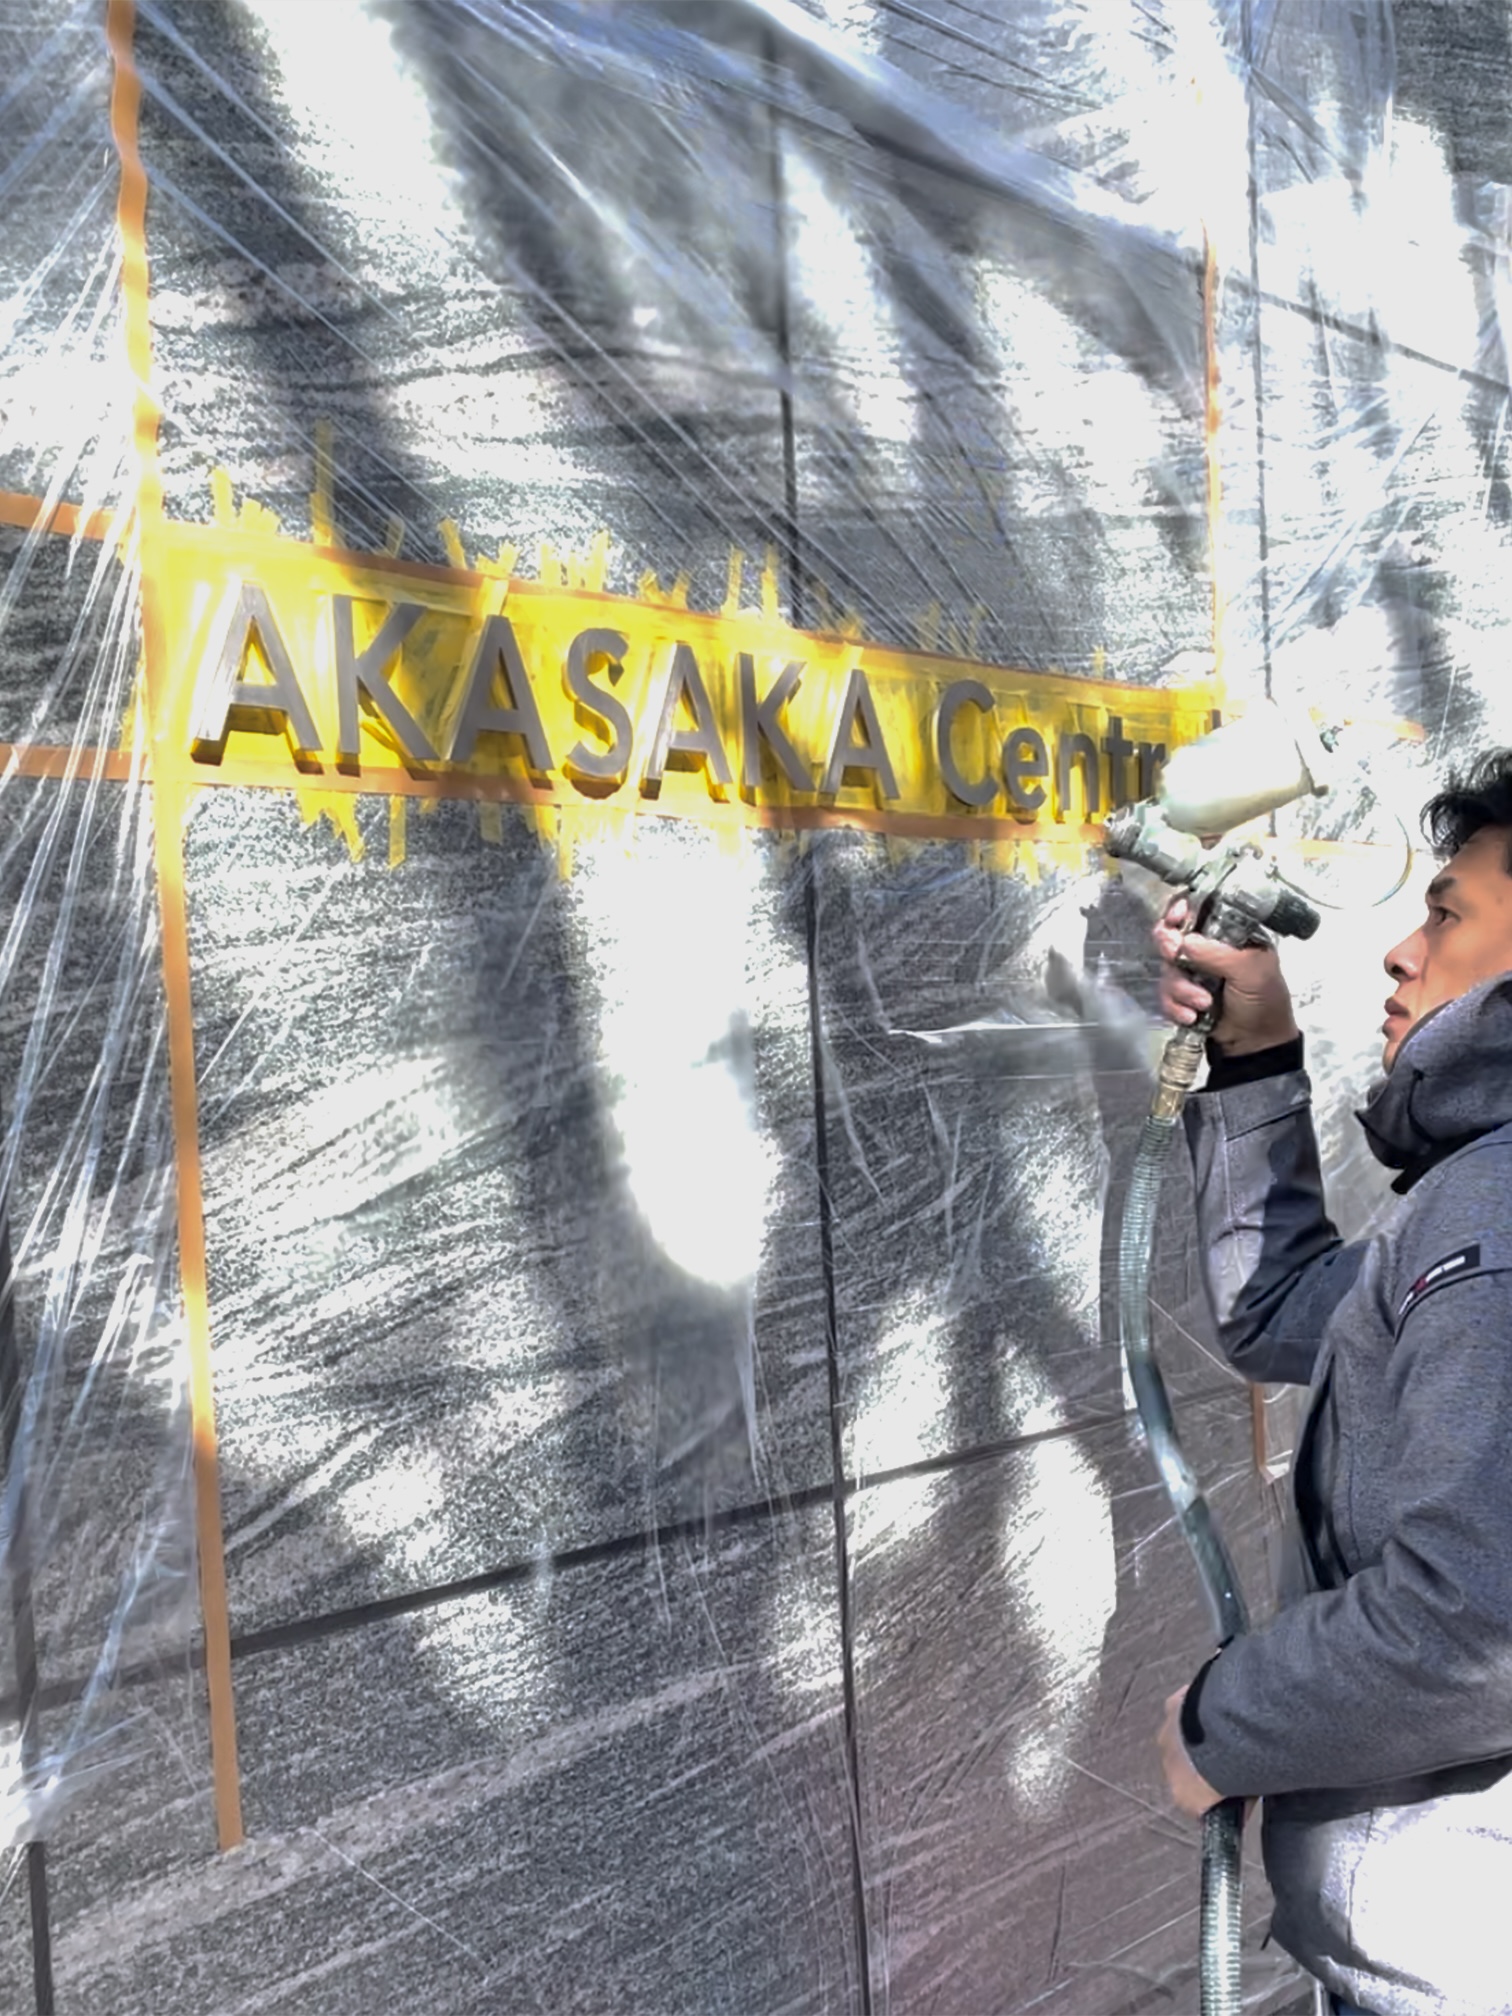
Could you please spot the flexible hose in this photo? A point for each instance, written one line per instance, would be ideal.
(1223, 1826)
(1222, 1898)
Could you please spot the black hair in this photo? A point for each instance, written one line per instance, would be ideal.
(1480, 796)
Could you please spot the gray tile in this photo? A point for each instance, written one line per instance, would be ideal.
(976, 1176)
(17, 1966)
(106, 1441)
(491, 1156)
(620, 1787)
(141, 1817)
(1008, 486)
(1051, 73)
(68, 620)
(1004, 446)
(1018, 1625)
(1387, 516)
(1382, 160)
(447, 265)
(1452, 72)
(60, 373)
(144, 1811)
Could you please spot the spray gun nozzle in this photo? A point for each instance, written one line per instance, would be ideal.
(1141, 833)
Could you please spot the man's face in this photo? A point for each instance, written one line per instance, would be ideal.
(1465, 938)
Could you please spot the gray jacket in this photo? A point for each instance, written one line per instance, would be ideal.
(1374, 1711)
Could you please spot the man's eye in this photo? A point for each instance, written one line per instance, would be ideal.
(1438, 913)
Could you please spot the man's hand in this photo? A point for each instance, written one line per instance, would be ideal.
(1188, 1788)
(1257, 1006)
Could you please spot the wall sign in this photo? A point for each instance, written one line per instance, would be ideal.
(298, 665)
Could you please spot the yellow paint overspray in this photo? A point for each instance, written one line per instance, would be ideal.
(244, 543)
(340, 810)
(733, 584)
(323, 497)
(840, 623)
(948, 638)
(136, 726)
(222, 498)
(451, 544)
(649, 589)
(771, 599)
(249, 514)
(588, 572)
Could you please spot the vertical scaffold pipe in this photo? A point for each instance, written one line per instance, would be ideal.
(1223, 1825)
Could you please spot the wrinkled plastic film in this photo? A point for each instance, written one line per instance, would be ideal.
(655, 1342)
(96, 1540)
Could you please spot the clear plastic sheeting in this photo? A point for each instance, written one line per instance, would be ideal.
(564, 1443)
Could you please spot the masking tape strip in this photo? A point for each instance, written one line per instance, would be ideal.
(71, 520)
(170, 804)
(69, 763)
(170, 809)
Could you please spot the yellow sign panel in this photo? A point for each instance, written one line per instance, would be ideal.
(291, 664)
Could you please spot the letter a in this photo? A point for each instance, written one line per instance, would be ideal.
(685, 681)
(498, 650)
(272, 706)
(871, 754)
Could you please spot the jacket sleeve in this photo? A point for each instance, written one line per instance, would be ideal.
(1274, 1266)
(1407, 1669)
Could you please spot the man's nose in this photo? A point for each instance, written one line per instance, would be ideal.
(1403, 961)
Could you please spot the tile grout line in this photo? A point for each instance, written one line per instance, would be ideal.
(297, 1632)
(838, 1483)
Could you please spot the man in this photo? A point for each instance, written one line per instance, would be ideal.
(1373, 1714)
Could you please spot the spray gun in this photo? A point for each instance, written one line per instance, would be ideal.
(1186, 836)
(1235, 891)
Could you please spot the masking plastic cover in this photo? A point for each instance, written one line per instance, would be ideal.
(564, 1444)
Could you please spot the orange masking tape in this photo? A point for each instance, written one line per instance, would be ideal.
(169, 809)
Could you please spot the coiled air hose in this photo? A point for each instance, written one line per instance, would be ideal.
(1223, 1825)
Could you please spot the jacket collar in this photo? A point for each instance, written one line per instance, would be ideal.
(1450, 1083)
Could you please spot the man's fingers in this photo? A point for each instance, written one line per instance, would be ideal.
(1187, 993)
(1225, 962)
(1183, 1000)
